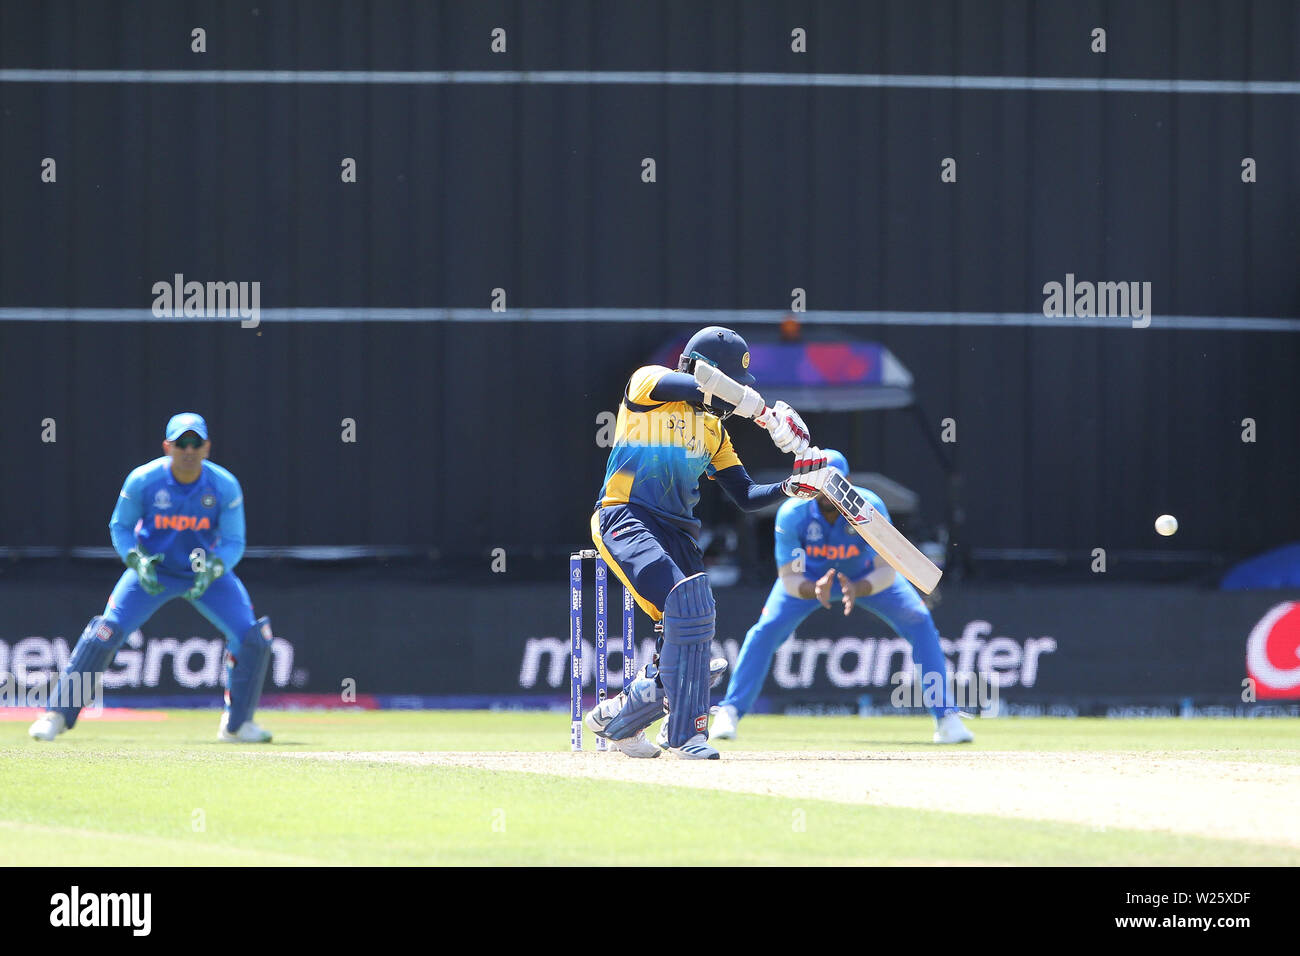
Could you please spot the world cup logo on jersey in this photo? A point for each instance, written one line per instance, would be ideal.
(1273, 652)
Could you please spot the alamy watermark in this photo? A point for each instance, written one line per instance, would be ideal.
(1085, 299)
(133, 911)
(211, 300)
(75, 689)
(914, 689)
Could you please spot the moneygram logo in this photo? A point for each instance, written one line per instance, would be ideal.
(32, 662)
(1273, 652)
(848, 662)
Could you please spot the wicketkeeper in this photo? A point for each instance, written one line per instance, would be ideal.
(179, 528)
(669, 434)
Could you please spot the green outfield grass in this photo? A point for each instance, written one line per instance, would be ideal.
(167, 793)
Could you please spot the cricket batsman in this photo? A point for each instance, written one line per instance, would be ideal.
(179, 528)
(668, 434)
(820, 558)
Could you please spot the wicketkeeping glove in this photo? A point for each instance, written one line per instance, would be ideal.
(143, 564)
(214, 569)
(787, 429)
(810, 474)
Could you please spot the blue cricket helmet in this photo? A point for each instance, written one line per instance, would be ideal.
(721, 348)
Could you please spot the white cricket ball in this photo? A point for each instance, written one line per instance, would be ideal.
(1166, 525)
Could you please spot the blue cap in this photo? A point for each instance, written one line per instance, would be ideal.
(186, 422)
(836, 460)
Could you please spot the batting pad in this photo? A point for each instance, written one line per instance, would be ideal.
(689, 614)
(246, 673)
(94, 651)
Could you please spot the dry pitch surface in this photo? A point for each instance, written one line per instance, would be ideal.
(1186, 793)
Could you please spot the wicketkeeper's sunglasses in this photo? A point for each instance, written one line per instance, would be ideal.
(188, 441)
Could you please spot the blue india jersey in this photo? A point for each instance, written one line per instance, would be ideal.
(157, 513)
(801, 529)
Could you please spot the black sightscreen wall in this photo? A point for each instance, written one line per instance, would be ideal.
(1067, 437)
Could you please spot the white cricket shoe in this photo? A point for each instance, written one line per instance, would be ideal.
(637, 746)
(248, 733)
(598, 718)
(697, 748)
(950, 730)
(47, 726)
(662, 738)
(724, 723)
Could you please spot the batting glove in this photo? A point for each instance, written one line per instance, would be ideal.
(810, 474)
(143, 564)
(787, 429)
(203, 579)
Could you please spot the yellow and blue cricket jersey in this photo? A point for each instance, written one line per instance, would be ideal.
(660, 451)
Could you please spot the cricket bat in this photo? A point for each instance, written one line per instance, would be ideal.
(886, 540)
(873, 527)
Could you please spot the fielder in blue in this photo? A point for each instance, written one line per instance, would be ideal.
(820, 558)
(179, 528)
